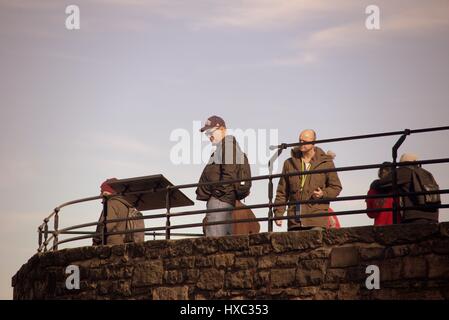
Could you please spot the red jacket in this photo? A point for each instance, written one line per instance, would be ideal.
(383, 217)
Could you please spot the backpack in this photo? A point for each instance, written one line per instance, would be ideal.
(242, 212)
(424, 181)
(133, 225)
(242, 189)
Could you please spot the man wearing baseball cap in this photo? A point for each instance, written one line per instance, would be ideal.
(222, 165)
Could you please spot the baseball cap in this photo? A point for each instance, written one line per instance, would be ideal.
(213, 122)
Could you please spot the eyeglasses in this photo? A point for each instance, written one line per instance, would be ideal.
(210, 132)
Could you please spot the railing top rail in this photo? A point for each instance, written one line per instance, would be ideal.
(359, 137)
(261, 177)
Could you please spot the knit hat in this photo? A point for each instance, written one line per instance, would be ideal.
(105, 187)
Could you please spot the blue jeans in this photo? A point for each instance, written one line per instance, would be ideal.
(218, 230)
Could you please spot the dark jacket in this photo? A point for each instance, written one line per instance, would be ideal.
(289, 188)
(118, 208)
(222, 165)
(405, 184)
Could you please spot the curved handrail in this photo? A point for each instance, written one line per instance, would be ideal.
(46, 236)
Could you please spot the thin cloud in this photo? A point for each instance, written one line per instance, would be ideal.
(119, 144)
(352, 35)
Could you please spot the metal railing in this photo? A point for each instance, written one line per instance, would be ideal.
(46, 236)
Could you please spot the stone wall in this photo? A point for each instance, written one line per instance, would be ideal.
(413, 261)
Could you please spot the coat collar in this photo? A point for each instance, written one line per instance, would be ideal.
(319, 157)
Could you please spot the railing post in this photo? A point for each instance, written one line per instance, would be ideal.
(56, 226)
(45, 234)
(104, 229)
(394, 175)
(270, 185)
(167, 204)
(39, 230)
(270, 203)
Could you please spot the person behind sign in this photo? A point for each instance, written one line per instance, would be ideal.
(117, 208)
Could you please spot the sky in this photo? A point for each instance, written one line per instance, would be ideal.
(80, 106)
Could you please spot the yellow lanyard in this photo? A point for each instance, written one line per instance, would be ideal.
(303, 176)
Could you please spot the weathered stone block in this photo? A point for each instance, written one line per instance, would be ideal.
(239, 280)
(310, 272)
(348, 235)
(440, 247)
(438, 267)
(390, 269)
(289, 260)
(156, 249)
(211, 279)
(183, 247)
(205, 245)
(235, 243)
(192, 275)
(265, 262)
(335, 275)
(180, 263)
(414, 267)
(170, 293)
(259, 250)
(397, 251)
(371, 252)
(224, 260)
(348, 291)
(344, 256)
(296, 240)
(259, 239)
(262, 279)
(202, 262)
(173, 277)
(444, 229)
(319, 253)
(148, 273)
(283, 277)
(404, 233)
(245, 263)
(103, 252)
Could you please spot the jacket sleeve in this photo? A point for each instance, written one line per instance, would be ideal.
(282, 192)
(370, 204)
(333, 184)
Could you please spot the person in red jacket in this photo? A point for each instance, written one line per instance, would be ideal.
(382, 217)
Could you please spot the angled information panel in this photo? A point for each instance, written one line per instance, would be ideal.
(149, 192)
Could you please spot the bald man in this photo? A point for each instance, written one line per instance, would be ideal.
(307, 187)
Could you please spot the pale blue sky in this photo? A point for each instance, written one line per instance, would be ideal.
(81, 106)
